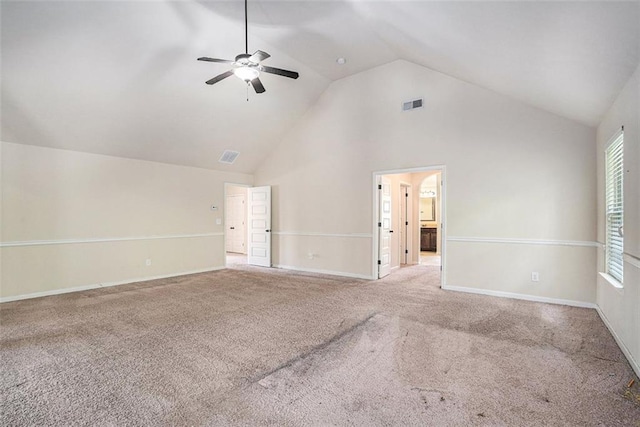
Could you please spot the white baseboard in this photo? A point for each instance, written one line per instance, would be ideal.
(102, 285)
(329, 272)
(634, 365)
(520, 296)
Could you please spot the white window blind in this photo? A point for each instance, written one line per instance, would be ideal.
(614, 209)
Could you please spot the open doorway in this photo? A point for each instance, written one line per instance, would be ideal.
(429, 220)
(235, 224)
(409, 224)
(247, 225)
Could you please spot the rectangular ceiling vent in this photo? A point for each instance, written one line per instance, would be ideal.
(228, 157)
(412, 105)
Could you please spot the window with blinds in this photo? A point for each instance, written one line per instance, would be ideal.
(614, 208)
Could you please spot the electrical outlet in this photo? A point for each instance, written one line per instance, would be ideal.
(535, 277)
(148, 262)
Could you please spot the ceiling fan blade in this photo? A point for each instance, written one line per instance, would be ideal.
(204, 58)
(280, 72)
(219, 77)
(257, 85)
(259, 56)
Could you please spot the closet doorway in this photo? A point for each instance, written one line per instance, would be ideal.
(235, 224)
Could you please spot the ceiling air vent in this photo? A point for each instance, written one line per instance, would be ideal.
(412, 105)
(229, 157)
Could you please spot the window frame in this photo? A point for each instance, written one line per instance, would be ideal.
(614, 209)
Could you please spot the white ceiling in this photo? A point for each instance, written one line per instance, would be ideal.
(121, 77)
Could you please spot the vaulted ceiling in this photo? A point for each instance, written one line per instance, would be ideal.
(121, 77)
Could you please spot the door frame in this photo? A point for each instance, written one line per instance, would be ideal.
(224, 215)
(406, 203)
(442, 213)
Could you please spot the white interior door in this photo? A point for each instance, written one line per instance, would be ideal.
(235, 222)
(259, 252)
(404, 224)
(384, 227)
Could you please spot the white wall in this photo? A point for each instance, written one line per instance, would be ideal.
(73, 219)
(620, 308)
(236, 190)
(513, 171)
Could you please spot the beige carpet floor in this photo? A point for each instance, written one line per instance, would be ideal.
(255, 346)
(235, 259)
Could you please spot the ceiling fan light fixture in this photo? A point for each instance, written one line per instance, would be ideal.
(246, 73)
(247, 67)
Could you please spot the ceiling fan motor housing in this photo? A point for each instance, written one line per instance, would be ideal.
(243, 58)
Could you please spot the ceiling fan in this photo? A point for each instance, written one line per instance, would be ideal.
(247, 67)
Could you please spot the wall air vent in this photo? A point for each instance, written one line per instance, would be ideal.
(228, 157)
(412, 105)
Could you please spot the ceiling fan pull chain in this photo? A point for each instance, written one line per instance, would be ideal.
(247, 91)
(246, 32)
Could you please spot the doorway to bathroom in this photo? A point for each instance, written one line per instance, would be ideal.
(409, 226)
